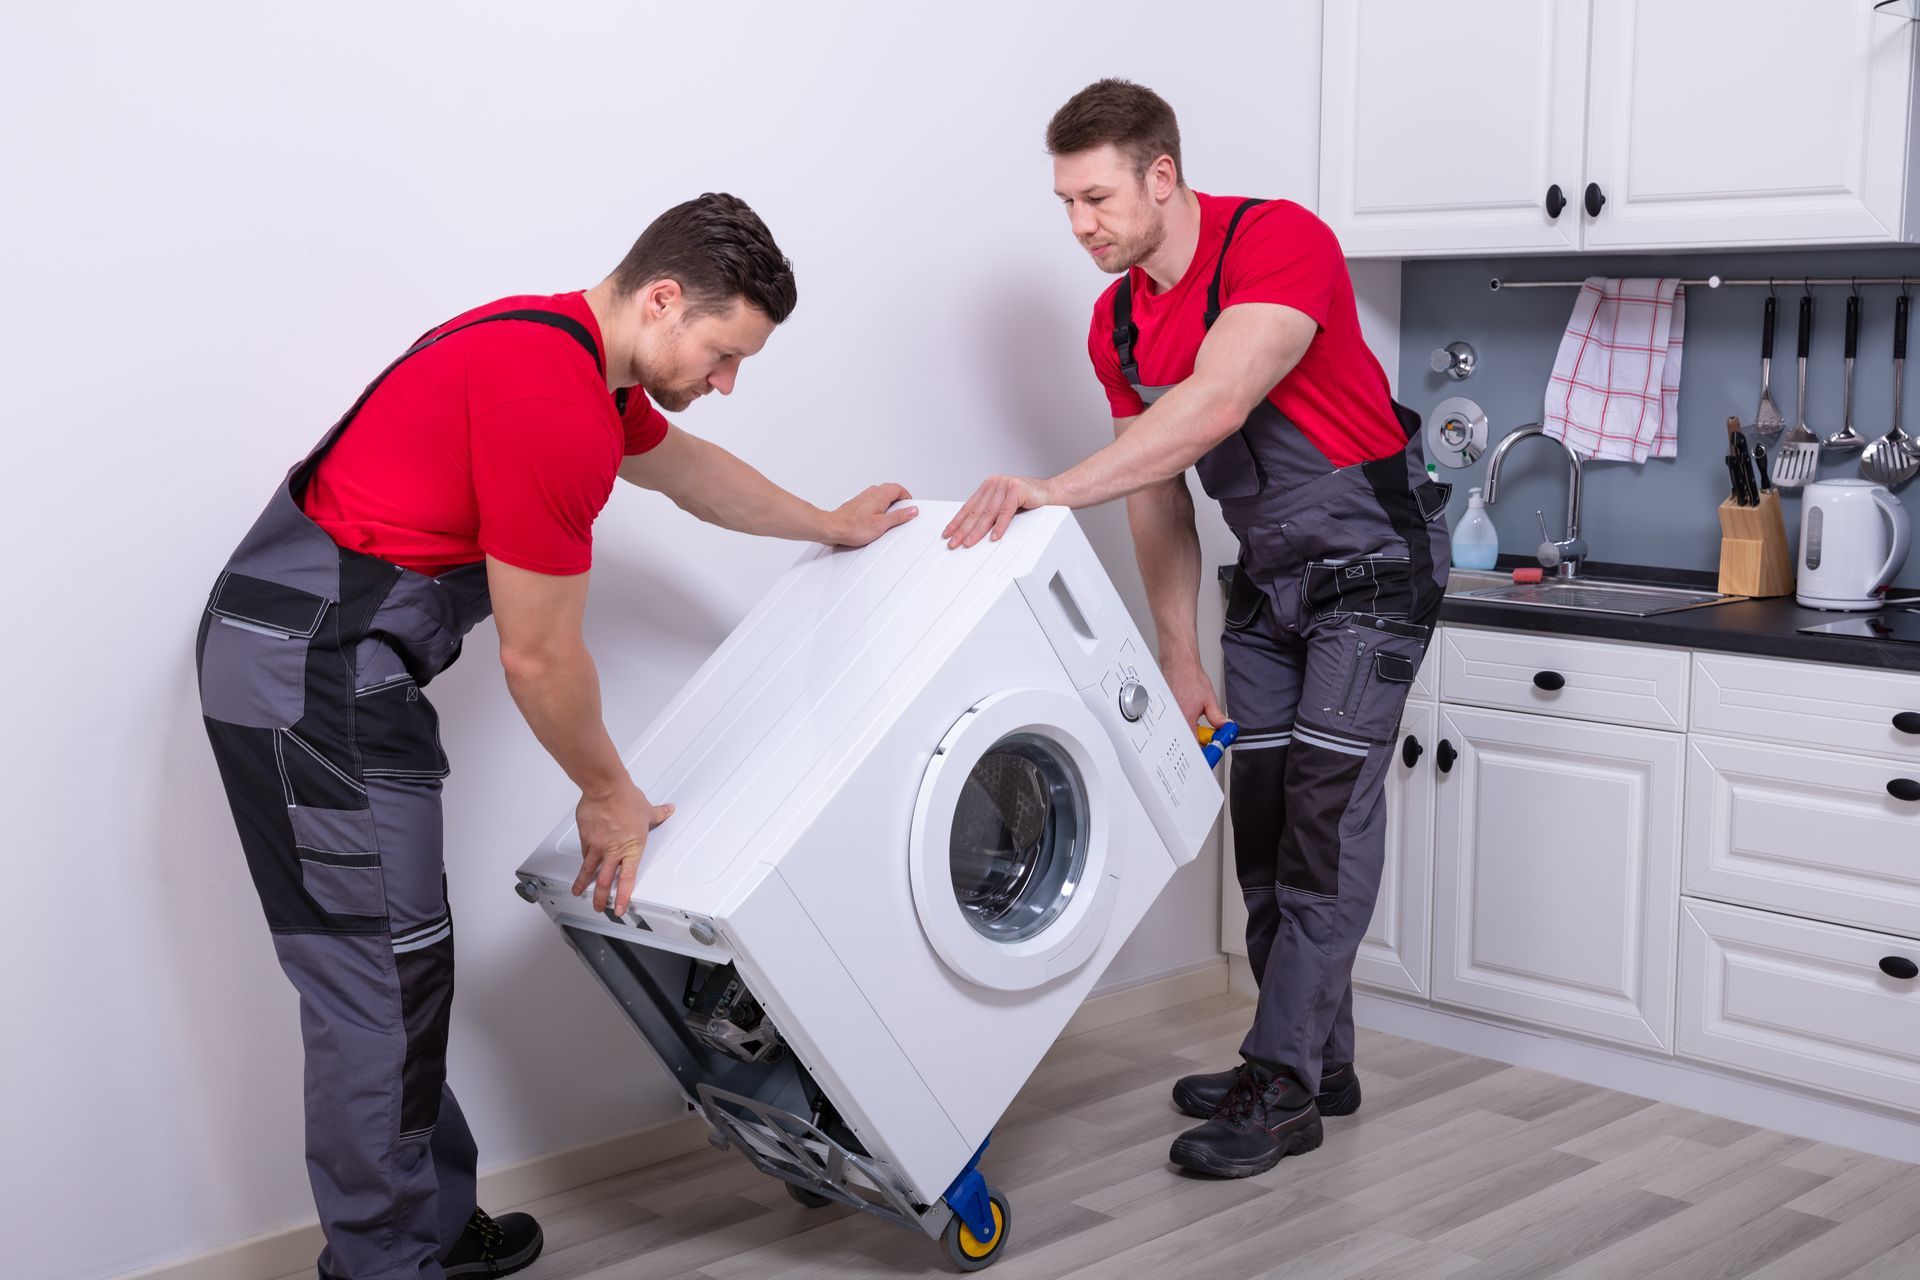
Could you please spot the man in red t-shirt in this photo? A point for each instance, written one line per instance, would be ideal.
(1231, 344)
(465, 481)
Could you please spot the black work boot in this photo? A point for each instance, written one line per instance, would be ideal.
(1263, 1119)
(1200, 1096)
(494, 1246)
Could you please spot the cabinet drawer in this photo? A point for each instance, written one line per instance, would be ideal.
(1808, 703)
(1579, 679)
(1805, 1002)
(1811, 833)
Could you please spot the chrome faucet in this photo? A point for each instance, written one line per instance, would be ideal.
(1568, 553)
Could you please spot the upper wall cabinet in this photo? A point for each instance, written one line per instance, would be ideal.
(1540, 126)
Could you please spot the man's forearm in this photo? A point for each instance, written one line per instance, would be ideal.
(1168, 549)
(559, 695)
(1162, 443)
(722, 490)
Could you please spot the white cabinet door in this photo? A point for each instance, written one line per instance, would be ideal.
(1810, 833)
(1393, 955)
(1747, 122)
(1443, 125)
(1557, 872)
(1813, 1004)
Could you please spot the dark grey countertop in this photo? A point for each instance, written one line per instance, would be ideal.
(1764, 628)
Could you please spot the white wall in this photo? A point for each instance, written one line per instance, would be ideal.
(219, 221)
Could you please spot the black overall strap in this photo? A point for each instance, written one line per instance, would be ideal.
(1126, 335)
(1220, 265)
(552, 319)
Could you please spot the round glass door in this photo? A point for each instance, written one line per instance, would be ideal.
(1018, 848)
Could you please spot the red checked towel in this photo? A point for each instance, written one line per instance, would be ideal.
(1615, 389)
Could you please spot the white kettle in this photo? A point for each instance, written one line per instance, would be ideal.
(1853, 540)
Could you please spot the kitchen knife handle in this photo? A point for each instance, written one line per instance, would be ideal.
(1760, 464)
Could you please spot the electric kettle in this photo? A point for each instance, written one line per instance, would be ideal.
(1853, 540)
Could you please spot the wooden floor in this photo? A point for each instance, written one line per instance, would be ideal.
(1454, 1167)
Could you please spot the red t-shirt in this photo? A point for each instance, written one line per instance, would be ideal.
(500, 441)
(1281, 253)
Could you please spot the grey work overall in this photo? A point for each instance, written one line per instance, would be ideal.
(1340, 577)
(311, 660)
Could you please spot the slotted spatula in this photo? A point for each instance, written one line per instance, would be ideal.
(1893, 459)
(1799, 452)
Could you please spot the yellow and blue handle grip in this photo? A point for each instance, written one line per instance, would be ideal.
(1214, 742)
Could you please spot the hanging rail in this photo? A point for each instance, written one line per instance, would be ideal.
(1718, 282)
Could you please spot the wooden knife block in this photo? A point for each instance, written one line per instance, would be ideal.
(1754, 559)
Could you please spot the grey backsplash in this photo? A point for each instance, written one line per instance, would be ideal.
(1662, 513)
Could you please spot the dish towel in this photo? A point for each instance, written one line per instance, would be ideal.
(1615, 389)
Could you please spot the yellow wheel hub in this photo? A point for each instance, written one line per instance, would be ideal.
(972, 1247)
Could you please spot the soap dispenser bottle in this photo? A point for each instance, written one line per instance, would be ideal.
(1475, 543)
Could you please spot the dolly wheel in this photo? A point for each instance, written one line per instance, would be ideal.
(809, 1199)
(966, 1252)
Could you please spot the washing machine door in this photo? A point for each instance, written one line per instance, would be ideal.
(1011, 839)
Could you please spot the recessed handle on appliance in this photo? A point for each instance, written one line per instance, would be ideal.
(1444, 755)
(1062, 593)
(1596, 200)
(1900, 967)
(1551, 681)
(1896, 515)
(1411, 751)
(1556, 200)
(1904, 789)
(1907, 721)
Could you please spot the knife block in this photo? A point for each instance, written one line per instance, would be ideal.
(1754, 559)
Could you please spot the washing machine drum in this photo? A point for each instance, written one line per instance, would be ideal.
(1009, 853)
(1019, 848)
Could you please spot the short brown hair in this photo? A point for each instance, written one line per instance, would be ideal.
(716, 249)
(1131, 117)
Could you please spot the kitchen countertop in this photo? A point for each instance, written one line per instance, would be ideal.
(1764, 628)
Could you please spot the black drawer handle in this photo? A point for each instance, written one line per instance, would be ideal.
(1444, 755)
(1411, 751)
(1900, 967)
(1904, 789)
(1551, 681)
(1556, 200)
(1596, 199)
(1907, 721)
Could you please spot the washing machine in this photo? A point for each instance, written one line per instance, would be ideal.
(923, 796)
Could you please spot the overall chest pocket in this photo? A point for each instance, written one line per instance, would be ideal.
(252, 651)
(1229, 469)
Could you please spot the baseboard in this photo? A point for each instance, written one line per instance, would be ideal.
(1149, 995)
(1672, 1080)
(285, 1252)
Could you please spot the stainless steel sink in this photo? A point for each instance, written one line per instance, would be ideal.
(1635, 599)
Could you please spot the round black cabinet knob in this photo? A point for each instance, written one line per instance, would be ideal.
(1411, 751)
(1904, 789)
(1556, 200)
(1900, 967)
(1444, 755)
(1907, 722)
(1596, 200)
(1551, 681)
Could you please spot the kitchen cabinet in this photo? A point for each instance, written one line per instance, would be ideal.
(1540, 126)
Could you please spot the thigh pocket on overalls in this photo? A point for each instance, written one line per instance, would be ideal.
(253, 651)
(1431, 498)
(1383, 657)
(339, 859)
(1244, 598)
(398, 731)
(1378, 585)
